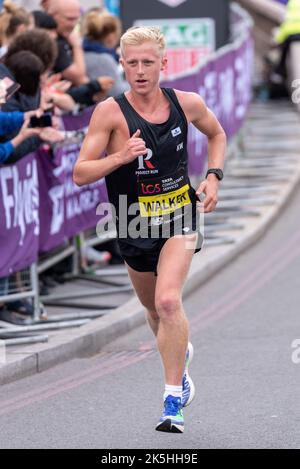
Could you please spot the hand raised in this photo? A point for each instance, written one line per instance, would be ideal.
(133, 148)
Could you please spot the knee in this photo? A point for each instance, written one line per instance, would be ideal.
(168, 304)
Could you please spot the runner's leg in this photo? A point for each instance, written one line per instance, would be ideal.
(144, 284)
(172, 337)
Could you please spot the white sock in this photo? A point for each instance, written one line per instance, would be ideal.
(175, 391)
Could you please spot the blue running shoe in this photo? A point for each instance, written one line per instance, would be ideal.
(188, 387)
(172, 417)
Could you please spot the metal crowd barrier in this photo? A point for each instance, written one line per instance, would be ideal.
(26, 286)
(96, 276)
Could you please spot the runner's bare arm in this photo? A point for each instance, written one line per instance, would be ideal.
(204, 120)
(91, 164)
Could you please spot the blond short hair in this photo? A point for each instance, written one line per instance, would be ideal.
(137, 35)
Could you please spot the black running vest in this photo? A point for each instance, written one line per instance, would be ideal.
(157, 183)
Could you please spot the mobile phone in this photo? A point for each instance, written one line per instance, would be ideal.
(44, 121)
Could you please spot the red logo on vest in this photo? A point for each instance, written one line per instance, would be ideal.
(150, 188)
(145, 159)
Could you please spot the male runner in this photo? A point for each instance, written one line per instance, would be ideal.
(144, 133)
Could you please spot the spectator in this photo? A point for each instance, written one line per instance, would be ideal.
(92, 92)
(26, 68)
(39, 43)
(288, 33)
(44, 21)
(84, 95)
(13, 122)
(55, 95)
(70, 61)
(102, 34)
(13, 20)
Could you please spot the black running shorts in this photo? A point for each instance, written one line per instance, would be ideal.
(146, 260)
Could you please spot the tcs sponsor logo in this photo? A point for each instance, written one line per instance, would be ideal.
(151, 188)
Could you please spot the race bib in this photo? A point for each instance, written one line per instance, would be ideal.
(164, 195)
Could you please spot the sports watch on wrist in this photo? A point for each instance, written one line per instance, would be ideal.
(217, 171)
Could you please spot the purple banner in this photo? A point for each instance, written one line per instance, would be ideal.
(19, 215)
(65, 209)
(79, 121)
(225, 85)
